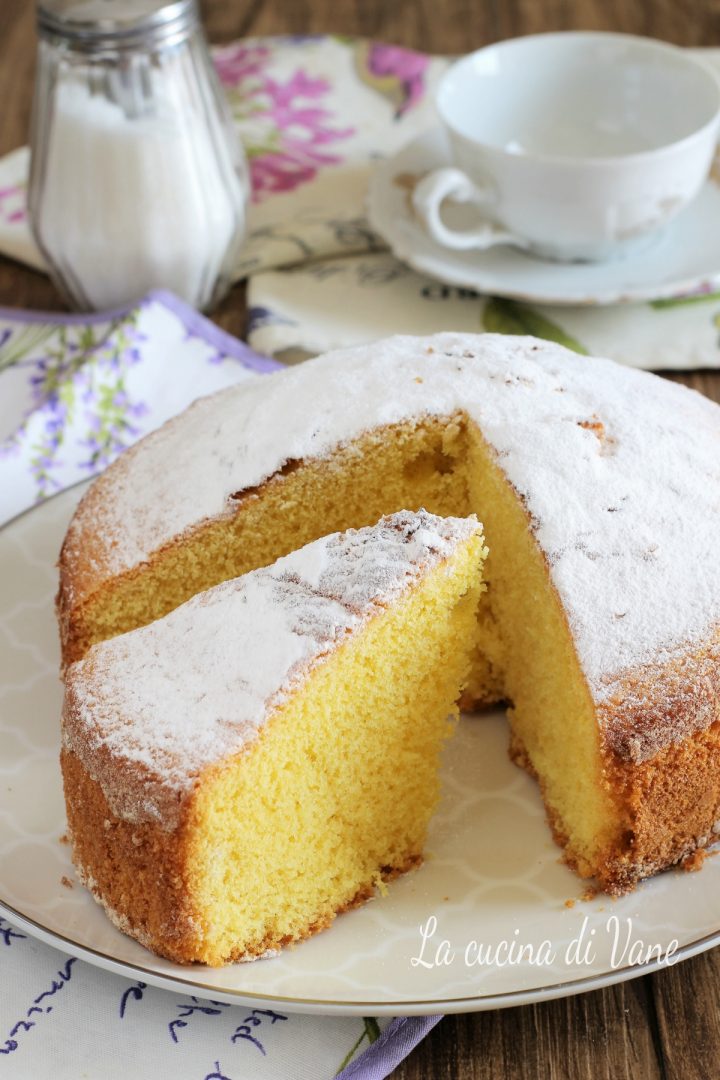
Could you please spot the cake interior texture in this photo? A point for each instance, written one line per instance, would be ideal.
(521, 644)
(332, 797)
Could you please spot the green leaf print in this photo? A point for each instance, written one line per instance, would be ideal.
(681, 301)
(77, 374)
(372, 1028)
(502, 316)
(23, 342)
(371, 1032)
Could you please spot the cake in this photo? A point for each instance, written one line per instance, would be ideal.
(266, 755)
(598, 489)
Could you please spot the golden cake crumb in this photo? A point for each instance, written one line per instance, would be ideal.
(694, 861)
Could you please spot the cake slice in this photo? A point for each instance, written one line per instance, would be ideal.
(259, 760)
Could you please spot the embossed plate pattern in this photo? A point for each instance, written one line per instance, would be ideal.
(492, 874)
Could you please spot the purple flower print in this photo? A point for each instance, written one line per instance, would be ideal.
(287, 170)
(81, 375)
(12, 204)
(110, 412)
(398, 74)
(239, 63)
(286, 127)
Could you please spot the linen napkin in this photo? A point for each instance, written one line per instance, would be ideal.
(74, 392)
(63, 1018)
(314, 113)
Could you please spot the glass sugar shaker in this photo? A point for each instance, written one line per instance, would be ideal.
(138, 180)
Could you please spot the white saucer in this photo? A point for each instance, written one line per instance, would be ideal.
(683, 260)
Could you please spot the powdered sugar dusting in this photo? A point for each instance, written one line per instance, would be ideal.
(173, 697)
(618, 469)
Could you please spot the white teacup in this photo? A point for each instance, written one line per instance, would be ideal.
(577, 146)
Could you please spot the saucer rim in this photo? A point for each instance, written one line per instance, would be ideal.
(396, 230)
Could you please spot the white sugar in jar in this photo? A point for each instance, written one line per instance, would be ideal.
(137, 179)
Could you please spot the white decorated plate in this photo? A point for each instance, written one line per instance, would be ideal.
(682, 261)
(492, 874)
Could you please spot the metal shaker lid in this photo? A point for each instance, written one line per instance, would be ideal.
(97, 24)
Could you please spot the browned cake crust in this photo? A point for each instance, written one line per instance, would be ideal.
(670, 805)
(138, 873)
(662, 747)
(673, 808)
(134, 869)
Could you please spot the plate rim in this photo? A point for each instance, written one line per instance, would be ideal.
(457, 274)
(178, 983)
(324, 1006)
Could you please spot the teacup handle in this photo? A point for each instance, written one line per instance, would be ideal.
(449, 183)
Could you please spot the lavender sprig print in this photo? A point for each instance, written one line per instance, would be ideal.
(15, 344)
(109, 411)
(52, 391)
(81, 376)
(87, 387)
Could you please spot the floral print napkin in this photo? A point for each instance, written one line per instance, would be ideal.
(75, 391)
(300, 311)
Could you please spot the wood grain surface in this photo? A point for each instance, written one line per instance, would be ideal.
(665, 1025)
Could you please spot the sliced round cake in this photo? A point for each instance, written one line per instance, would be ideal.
(598, 487)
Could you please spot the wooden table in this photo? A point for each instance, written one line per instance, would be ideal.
(665, 1025)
